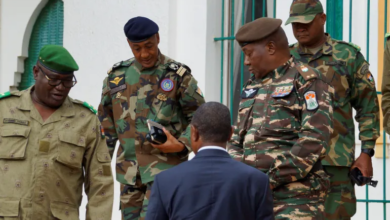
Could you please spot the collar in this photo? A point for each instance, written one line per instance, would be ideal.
(212, 148)
(26, 104)
(274, 74)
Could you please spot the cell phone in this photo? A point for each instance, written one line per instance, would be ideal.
(156, 134)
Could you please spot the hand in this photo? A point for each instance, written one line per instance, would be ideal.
(364, 164)
(271, 187)
(172, 145)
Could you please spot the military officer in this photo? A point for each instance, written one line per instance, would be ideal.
(148, 86)
(284, 121)
(50, 145)
(345, 68)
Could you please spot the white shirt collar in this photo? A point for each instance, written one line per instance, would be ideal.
(211, 148)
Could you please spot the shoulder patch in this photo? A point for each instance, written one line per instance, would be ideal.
(387, 35)
(306, 72)
(178, 68)
(85, 104)
(125, 63)
(5, 95)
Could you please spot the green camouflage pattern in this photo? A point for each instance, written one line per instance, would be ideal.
(44, 165)
(340, 202)
(134, 201)
(386, 85)
(304, 11)
(130, 96)
(280, 135)
(345, 68)
(302, 200)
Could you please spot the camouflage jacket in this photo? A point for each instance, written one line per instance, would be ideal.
(284, 122)
(386, 85)
(347, 71)
(167, 94)
(44, 164)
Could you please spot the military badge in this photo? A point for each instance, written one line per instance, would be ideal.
(102, 132)
(199, 91)
(117, 84)
(311, 100)
(162, 97)
(304, 69)
(370, 78)
(282, 91)
(249, 93)
(167, 85)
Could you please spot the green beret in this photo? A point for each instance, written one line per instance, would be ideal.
(57, 59)
(257, 30)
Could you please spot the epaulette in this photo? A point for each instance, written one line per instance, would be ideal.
(306, 72)
(5, 95)
(350, 44)
(9, 94)
(125, 63)
(387, 35)
(85, 104)
(179, 68)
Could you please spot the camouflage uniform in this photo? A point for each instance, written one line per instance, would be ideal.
(283, 128)
(345, 68)
(44, 164)
(167, 94)
(386, 85)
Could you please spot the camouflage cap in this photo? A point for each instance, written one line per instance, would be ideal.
(304, 11)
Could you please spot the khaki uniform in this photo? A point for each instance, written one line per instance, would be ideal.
(43, 165)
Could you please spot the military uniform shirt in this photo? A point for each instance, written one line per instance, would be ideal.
(284, 123)
(167, 94)
(43, 165)
(348, 72)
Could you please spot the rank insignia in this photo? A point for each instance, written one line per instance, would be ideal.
(282, 91)
(167, 85)
(162, 97)
(311, 100)
(304, 69)
(249, 93)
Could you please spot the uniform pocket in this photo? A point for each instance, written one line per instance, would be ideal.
(63, 211)
(13, 143)
(71, 149)
(9, 209)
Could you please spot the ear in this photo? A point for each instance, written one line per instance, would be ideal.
(35, 72)
(323, 18)
(194, 133)
(158, 38)
(271, 48)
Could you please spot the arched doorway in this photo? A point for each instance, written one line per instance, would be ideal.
(48, 29)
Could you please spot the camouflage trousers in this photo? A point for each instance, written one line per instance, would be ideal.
(302, 200)
(340, 203)
(134, 201)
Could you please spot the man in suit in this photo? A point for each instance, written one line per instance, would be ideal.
(211, 185)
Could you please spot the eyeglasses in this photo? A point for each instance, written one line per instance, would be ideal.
(56, 82)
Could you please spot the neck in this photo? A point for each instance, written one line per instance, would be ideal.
(282, 59)
(317, 43)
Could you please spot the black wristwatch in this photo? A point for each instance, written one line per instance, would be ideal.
(370, 152)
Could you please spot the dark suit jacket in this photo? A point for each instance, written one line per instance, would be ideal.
(211, 186)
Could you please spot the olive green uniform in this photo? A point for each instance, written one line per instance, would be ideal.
(44, 164)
